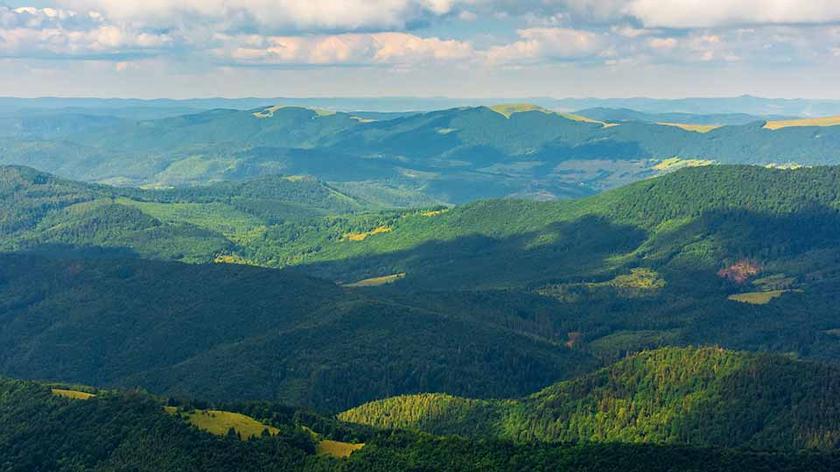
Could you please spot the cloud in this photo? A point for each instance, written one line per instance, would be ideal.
(675, 14)
(723, 13)
(48, 32)
(271, 16)
(539, 44)
(393, 48)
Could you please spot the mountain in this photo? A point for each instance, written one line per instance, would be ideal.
(235, 332)
(54, 427)
(720, 119)
(697, 105)
(685, 396)
(659, 262)
(455, 155)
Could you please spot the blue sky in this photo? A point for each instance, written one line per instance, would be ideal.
(467, 48)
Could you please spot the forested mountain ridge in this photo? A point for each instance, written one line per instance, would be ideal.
(681, 396)
(231, 332)
(454, 155)
(694, 257)
(130, 430)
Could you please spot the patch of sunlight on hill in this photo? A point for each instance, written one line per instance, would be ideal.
(675, 163)
(508, 109)
(270, 111)
(73, 394)
(692, 127)
(759, 298)
(234, 224)
(785, 166)
(583, 119)
(220, 422)
(823, 121)
(640, 282)
(377, 281)
(364, 235)
(328, 447)
(431, 213)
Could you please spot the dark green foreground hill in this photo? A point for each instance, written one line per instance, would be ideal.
(235, 332)
(700, 397)
(117, 431)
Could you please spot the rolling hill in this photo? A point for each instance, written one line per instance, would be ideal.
(453, 156)
(235, 332)
(693, 257)
(682, 396)
(130, 430)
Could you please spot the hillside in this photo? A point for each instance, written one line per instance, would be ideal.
(454, 155)
(678, 396)
(693, 257)
(234, 332)
(116, 430)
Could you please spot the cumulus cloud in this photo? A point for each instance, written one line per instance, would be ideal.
(43, 32)
(389, 32)
(720, 13)
(393, 48)
(271, 16)
(537, 44)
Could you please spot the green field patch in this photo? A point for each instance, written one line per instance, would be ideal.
(72, 394)
(221, 218)
(758, 298)
(431, 213)
(675, 163)
(692, 127)
(640, 282)
(377, 281)
(361, 236)
(328, 447)
(220, 423)
(820, 122)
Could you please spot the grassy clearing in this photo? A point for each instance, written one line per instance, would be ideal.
(377, 281)
(232, 259)
(757, 298)
(640, 278)
(583, 119)
(823, 121)
(220, 422)
(675, 163)
(431, 213)
(508, 109)
(367, 234)
(640, 282)
(338, 449)
(270, 111)
(73, 394)
(692, 127)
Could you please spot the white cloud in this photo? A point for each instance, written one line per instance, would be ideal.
(50, 32)
(537, 44)
(720, 13)
(392, 48)
(270, 15)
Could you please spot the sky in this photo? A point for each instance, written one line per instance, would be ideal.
(455, 48)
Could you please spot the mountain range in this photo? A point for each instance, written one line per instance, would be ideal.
(475, 288)
(449, 156)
